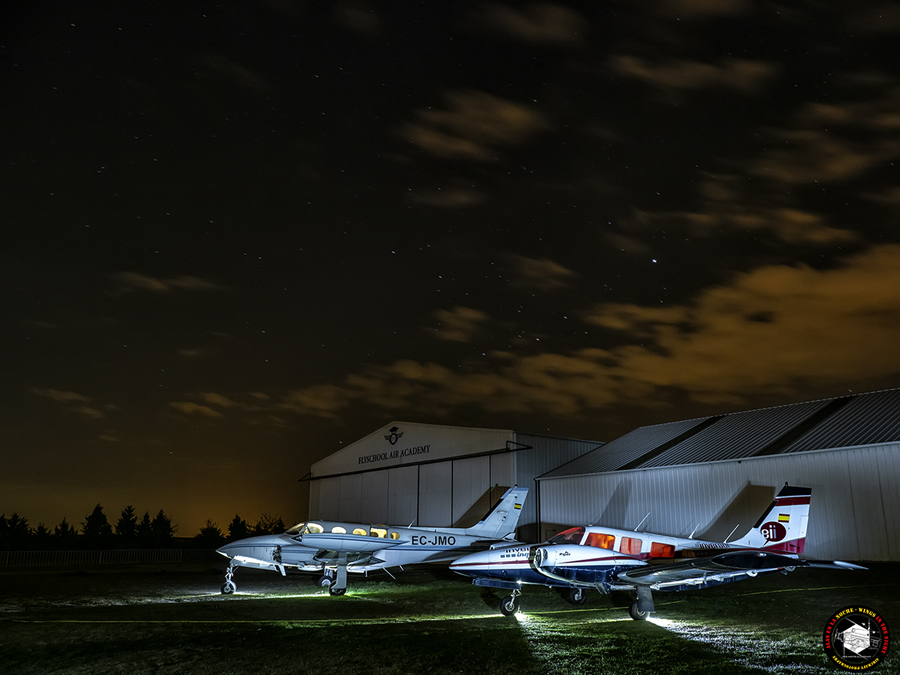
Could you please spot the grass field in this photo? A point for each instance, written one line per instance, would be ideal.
(174, 620)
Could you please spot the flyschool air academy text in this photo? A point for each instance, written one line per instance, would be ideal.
(395, 454)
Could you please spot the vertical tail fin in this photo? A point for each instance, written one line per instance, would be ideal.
(782, 527)
(501, 521)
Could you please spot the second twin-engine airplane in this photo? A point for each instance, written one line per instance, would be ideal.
(334, 548)
(611, 560)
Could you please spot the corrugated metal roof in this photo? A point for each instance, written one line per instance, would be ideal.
(866, 419)
(847, 421)
(625, 449)
(737, 435)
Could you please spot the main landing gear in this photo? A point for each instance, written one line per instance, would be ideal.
(510, 604)
(642, 606)
(335, 581)
(229, 586)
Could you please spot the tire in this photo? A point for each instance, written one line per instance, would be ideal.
(636, 613)
(324, 582)
(509, 605)
(336, 591)
(577, 596)
(228, 588)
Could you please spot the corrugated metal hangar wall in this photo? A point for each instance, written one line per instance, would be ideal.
(707, 475)
(430, 475)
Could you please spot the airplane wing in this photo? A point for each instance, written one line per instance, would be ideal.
(719, 569)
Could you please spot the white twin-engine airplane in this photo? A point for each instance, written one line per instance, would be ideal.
(336, 548)
(622, 560)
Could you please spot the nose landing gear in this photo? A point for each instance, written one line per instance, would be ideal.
(229, 586)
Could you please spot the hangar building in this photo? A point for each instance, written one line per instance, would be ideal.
(704, 475)
(432, 475)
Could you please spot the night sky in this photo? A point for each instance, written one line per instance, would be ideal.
(240, 235)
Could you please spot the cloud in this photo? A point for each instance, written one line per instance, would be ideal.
(75, 402)
(460, 324)
(452, 197)
(674, 75)
(133, 281)
(359, 17)
(539, 23)
(540, 273)
(771, 331)
(703, 8)
(217, 400)
(62, 396)
(473, 124)
(190, 408)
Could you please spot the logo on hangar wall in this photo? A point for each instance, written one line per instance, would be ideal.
(394, 436)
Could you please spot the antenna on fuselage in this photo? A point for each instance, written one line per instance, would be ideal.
(642, 522)
(691, 535)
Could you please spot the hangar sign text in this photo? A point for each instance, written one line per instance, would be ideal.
(395, 454)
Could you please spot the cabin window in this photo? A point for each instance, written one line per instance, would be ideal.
(337, 529)
(572, 536)
(630, 545)
(361, 532)
(379, 532)
(313, 528)
(395, 535)
(600, 540)
(658, 550)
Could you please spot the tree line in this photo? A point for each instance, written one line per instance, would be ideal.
(96, 532)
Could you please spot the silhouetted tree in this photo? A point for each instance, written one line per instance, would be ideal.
(126, 527)
(42, 537)
(238, 528)
(268, 525)
(96, 529)
(64, 535)
(17, 532)
(210, 536)
(144, 530)
(161, 528)
(4, 529)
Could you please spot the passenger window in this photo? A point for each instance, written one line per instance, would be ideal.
(378, 532)
(337, 529)
(395, 535)
(630, 546)
(600, 540)
(361, 532)
(662, 550)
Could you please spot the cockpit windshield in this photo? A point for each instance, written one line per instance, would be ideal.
(305, 528)
(572, 536)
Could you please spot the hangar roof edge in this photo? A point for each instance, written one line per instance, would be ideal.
(832, 423)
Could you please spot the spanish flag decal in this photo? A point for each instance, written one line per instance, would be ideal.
(784, 517)
(518, 506)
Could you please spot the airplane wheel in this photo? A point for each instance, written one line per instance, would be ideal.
(577, 596)
(324, 582)
(229, 587)
(336, 591)
(509, 605)
(636, 613)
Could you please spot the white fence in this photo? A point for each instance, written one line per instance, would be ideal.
(110, 557)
